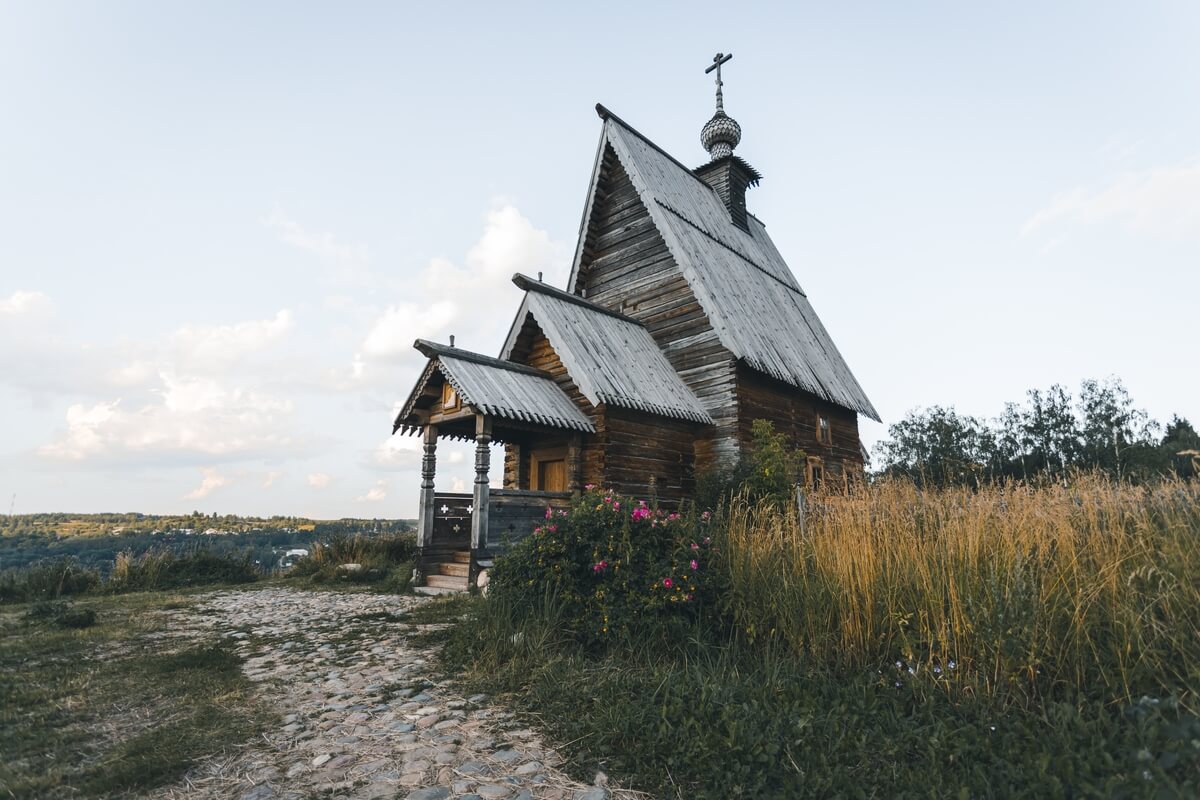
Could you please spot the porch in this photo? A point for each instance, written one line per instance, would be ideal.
(468, 396)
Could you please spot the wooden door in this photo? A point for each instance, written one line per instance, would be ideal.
(552, 475)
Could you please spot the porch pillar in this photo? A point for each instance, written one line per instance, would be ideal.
(574, 464)
(483, 457)
(428, 469)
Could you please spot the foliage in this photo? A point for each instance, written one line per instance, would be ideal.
(766, 474)
(1033, 640)
(166, 570)
(613, 563)
(1051, 434)
(46, 581)
(385, 561)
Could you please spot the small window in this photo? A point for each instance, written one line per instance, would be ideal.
(450, 399)
(816, 473)
(824, 431)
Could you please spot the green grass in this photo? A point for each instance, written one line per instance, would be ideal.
(108, 709)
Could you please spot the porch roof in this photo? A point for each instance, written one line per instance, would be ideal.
(496, 388)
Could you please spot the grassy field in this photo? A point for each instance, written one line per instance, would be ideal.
(1031, 642)
(109, 708)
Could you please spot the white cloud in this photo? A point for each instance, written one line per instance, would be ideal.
(212, 481)
(375, 494)
(24, 302)
(319, 480)
(224, 343)
(458, 486)
(1161, 202)
(397, 453)
(190, 416)
(350, 261)
(472, 302)
(270, 478)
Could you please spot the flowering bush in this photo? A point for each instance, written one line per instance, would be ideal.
(612, 563)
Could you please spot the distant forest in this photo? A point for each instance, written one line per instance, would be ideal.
(1048, 435)
(96, 539)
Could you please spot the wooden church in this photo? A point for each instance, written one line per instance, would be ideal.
(680, 325)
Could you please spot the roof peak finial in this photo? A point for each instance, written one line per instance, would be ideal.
(718, 60)
(721, 133)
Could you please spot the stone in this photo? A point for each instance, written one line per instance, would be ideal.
(595, 793)
(472, 768)
(506, 756)
(341, 761)
(493, 791)
(528, 768)
(260, 792)
(432, 793)
(321, 759)
(428, 722)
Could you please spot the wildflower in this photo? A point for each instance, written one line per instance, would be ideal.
(899, 665)
(951, 665)
(599, 567)
(549, 512)
(707, 540)
(937, 670)
(562, 512)
(616, 506)
(641, 512)
(695, 564)
(898, 684)
(552, 528)
(695, 546)
(706, 516)
(608, 498)
(589, 486)
(538, 529)
(673, 516)
(667, 583)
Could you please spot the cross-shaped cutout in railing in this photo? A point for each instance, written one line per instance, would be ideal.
(457, 528)
(444, 508)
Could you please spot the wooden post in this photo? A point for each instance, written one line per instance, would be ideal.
(483, 457)
(574, 464)
(428, 470)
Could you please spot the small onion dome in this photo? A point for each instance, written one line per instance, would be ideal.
(720, 135)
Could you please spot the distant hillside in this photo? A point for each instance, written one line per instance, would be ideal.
(96, 539)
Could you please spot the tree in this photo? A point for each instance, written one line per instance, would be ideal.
(1180, 447)
(939, 447)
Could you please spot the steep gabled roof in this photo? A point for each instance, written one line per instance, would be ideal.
(751, 297)
(611, 358)
(495, 387)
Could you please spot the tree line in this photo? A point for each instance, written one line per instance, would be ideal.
(1049, 434)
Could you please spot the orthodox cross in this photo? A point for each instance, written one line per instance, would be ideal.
(718, 60)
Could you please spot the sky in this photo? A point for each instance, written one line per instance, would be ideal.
(222, 225)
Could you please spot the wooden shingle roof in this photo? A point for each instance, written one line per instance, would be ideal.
(494, 387)
(751, 297)
(612, 358)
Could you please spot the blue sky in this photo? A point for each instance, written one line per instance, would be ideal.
(223, 224)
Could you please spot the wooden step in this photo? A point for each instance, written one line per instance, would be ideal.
(446, 582)
(456, 569)
(462, 556)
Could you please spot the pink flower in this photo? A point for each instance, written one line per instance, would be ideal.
(695, 546)
(706, 516)
(599, 567)
(667, 583)
(707, 540)
(695, 564)
(549, 512)
(616, 506)
(642, 503)
(640, 513)
(691, 597)
(552, 528)
(608, 498)
(562, 512)
(538, 529)
(589, 486)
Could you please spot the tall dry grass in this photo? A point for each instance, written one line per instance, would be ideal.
(1009, 591)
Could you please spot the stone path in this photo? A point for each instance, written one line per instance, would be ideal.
(362, 716)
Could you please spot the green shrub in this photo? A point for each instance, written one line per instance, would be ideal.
(165, 569)
(377, 555)
(765, 476)
(613, 563)
(47, 580)
(77, 618)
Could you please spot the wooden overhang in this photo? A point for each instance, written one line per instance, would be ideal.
(513, 396)
(612, 358)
